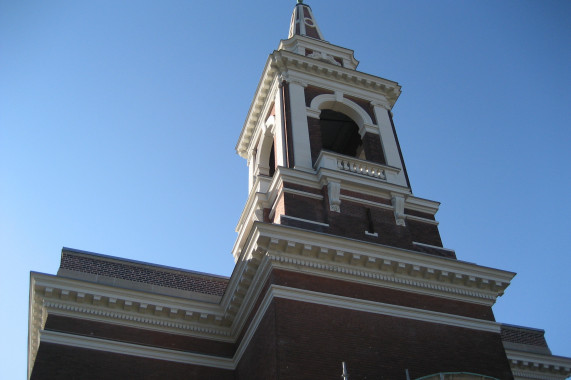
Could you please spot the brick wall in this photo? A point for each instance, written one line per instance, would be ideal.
(104, 330)
(379, 294)
(259, 360)
(373, 148)
(353, 221)
(313, 340)
(58, 362)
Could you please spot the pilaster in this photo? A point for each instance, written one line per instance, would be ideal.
(299, 127)
(388, 140)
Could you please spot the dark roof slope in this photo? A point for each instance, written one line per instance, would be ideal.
(100, 268)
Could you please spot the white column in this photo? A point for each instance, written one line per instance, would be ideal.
(388, 140)
(299, 128)
(278, 131)
(251, 170)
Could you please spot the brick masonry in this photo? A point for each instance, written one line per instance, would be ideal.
(313, 340)
(379, 294)
(103, 330)
(373, 148)
(299, 340)
(58, 362)
(353, 221)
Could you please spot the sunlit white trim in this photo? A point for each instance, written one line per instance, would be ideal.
(135, 350)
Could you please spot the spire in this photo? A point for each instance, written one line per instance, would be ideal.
(303, 23)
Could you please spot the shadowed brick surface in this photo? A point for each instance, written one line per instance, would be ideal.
(58, 362)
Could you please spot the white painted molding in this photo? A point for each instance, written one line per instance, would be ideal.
(135, 350)
(384, 309)
(398, 204)
(423, 220)
(304, 220)
(531, 360)
(337, 102)
(489, 282)
(302, 193)
(366, 202)
(432, 246)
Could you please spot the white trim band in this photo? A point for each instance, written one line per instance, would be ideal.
(135, 350)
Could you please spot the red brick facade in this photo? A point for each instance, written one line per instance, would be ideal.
(354, 220)
(59, 362)
(313, 340)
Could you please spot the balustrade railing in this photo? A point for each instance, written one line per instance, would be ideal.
(360, 167)
(339, 162)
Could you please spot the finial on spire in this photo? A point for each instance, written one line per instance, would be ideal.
(303, 23)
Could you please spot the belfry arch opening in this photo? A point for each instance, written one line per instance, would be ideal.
(272, 161)
(340, 134)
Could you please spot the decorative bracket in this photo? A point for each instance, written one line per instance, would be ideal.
(382, 102)
(333, 190)
(398, 204)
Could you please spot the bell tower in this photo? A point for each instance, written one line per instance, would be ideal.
(322, 149)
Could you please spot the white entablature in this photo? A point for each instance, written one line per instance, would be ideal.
(322, 50)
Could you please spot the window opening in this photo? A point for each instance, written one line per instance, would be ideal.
(340, 134)
(272, 162)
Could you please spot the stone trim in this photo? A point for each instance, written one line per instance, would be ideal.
(304, 220)
(135, 350)
(301, 193)
(383, 309)
(538, 366)
(448, 277)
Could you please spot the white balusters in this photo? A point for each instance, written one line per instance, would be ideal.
(361, 168)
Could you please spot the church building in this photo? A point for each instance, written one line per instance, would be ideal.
(340, 269)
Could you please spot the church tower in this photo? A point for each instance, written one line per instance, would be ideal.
(340, 269)
(322, 149)
(347, 261)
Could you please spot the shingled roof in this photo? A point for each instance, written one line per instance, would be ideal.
(524, 339)
(137, 275)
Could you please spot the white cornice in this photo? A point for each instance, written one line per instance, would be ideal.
(356, 79)
(294, 43)
(440, 275)
(66, 296)
(528, 361)
(525, 374)
(256, 106)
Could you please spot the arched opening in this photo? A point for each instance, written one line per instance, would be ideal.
(340, 134)
(272, 162)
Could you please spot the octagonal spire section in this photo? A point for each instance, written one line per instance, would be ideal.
(303, 23)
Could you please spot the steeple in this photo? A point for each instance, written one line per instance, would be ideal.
(303, 23)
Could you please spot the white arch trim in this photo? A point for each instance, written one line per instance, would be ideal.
(343, 105)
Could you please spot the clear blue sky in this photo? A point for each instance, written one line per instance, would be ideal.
(118, 122)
